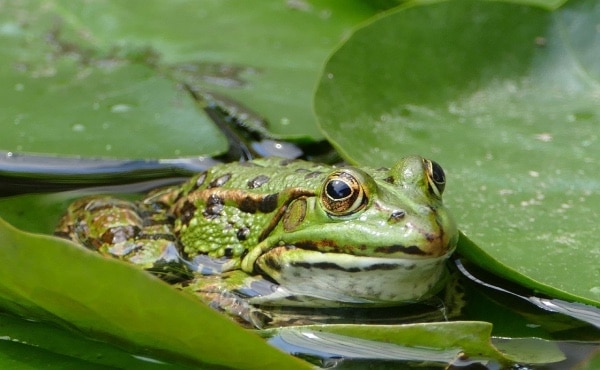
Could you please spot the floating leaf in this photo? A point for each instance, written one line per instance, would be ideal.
(59, 100)
(443, 342)
(105, 78)
(507, 98)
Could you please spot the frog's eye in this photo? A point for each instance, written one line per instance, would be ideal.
(435, 176)
(343, 194)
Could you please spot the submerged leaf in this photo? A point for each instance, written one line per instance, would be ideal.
(443, 342)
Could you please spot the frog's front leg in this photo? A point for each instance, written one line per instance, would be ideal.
(127, 231)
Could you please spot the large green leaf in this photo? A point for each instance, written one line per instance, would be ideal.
(53, 279)
(58, 99)
(26, 344)
(106, 78)
(507, 98)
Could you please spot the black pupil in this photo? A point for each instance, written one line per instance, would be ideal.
(438, 173)
(338, 189)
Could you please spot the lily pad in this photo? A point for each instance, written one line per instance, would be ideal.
(88, 78)
(507, 98)
(57, 99)
(88, 292)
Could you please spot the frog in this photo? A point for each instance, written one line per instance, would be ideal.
(274, 232)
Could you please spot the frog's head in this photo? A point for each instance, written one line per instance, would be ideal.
(385, 233)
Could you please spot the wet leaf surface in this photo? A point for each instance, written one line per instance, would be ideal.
(506, 97)
(83, 79)
(65, 99)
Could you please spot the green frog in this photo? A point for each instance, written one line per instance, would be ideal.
(275, 232)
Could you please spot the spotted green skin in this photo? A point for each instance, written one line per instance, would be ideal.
(273, 218)
(238, 228)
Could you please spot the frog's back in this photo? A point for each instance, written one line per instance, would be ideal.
(225, 211)
(265, 175)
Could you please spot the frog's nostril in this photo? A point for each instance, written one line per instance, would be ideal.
(396, 215)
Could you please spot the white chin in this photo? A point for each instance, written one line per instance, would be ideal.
(328, 279)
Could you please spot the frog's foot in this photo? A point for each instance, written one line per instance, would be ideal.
(450, 302)
(236, 306)
(223, 292)
(259, 291)
(206, 265)
(170, 266)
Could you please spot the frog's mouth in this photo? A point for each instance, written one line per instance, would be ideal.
(344, 279)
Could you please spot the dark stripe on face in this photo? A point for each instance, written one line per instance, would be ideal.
(324, 266)
(265, 204)
(387, 266)
(314, 245)
(269, 203)
(248, 205)
(271, 263)
(398, 248)
(330, 246)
